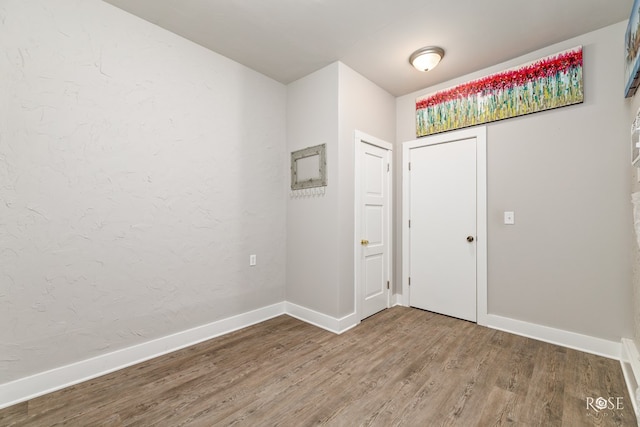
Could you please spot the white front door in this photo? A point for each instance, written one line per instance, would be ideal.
(442, 229)
(373, 188)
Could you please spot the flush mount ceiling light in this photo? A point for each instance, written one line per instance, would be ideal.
(427, 58)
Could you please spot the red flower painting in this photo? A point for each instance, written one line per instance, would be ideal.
(550, 82)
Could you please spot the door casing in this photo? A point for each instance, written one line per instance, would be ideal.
(480, 135)
(363, 138)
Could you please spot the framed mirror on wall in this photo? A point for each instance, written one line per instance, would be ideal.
(309, 167)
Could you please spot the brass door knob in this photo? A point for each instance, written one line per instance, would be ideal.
(364, 242)
(470, 239)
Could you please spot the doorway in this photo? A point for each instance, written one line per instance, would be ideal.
(373, 224)
(444, 224)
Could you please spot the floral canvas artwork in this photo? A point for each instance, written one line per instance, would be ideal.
(551, 82)
(632, 46)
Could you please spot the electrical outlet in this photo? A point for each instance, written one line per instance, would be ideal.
(253, 260)
(509, 218)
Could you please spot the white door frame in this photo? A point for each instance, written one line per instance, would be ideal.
(361, 137)
(480, 134)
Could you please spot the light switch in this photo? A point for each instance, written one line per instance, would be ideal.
(509, 218)
(253, 260)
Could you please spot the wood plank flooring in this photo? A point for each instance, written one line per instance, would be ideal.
(402, 366)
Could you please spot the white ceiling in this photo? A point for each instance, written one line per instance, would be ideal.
(288, 39)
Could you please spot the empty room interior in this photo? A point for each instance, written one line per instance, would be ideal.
(265, 213)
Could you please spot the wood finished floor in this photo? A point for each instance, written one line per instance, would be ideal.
(402, 366)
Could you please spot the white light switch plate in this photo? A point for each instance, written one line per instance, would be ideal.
(253, 260)
(509, 218)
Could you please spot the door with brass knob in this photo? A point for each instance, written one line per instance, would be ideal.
(373, 225)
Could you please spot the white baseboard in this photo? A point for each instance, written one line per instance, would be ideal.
(396, 300)
(46, 382)
(55, 379)
(630, 362)
(331, 324)
(586, 343)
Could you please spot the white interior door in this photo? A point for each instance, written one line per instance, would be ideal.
(373, 230)
(442, 229)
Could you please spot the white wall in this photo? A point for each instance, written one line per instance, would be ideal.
(634, 105)
(312, 241)
(565, 263)
(327, 107)
(138, 171)
(369, 109)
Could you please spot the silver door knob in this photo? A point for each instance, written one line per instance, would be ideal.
(470, 239)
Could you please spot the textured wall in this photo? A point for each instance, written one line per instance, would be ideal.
(138, 171)
(636, 283)
(312, 222)
(634, 105)
(565, 263)
(369, 109)
(320, 233)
